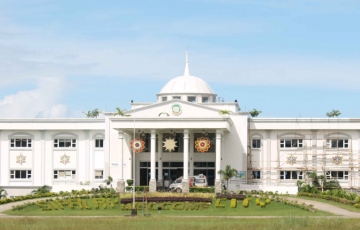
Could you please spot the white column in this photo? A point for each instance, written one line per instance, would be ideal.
(185, 180)
(160, 169)
(218, 155)
(87, 155)
(186, 155)
(152, 155)
(218, 184)
(191, 137)
(120, 155)
(43, 162)
(152, 183)
(121, 182)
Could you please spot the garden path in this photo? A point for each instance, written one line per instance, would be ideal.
(328, 208)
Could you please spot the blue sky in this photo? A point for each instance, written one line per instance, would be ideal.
(285, 58)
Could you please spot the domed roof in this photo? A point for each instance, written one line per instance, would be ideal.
(186, 84)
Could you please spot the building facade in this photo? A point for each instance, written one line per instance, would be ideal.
(187, 131)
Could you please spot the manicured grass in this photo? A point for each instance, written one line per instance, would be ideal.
(340, 205)
(179, 223)
(272, 209)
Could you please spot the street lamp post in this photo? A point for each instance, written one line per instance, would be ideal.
(133, 210)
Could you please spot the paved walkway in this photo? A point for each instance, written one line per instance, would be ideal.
(339, 212)
(328, 208)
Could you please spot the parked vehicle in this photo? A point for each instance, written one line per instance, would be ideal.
(198, 181)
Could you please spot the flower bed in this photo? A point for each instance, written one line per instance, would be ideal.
(231, 196)
(166, 199)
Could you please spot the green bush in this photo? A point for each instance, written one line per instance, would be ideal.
(137, 188)
(202, 190)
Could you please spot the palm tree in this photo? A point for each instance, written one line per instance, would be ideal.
(255, 113)
(121, 112)
(333, 113)
(108, 180)
(227, 174)
(88, 114)
(95, 113)
(224, 112)
(42, 190)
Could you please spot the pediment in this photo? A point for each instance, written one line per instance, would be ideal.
(175, 109)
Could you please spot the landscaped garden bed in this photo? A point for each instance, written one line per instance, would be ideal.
(166, 199)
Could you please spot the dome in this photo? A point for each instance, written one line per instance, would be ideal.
(186, 84)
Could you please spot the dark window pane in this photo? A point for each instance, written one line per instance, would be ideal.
(23, 174)
(211, 164)
(143, 164)
(165, 164)
(176, 164)
(17, 174)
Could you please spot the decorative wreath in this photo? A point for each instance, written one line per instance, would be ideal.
(137, 145)
(202, 144)
(291, 159)
(170, 144)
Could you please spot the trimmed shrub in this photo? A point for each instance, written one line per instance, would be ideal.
(246, 202)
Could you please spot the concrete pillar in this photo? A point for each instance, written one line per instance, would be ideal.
(160, 181)
(43, 162)
(152, 183)
(121, 182)
(192, 143)
(218, 185)
(185, 181)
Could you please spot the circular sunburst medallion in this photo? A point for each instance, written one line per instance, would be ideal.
(170, 144)
(137, 145)
(337, 159)
(176, 109)
(202, 144)
(65, 159)
(21, 159)
(291, 159)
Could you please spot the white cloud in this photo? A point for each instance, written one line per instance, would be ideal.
(40, 102)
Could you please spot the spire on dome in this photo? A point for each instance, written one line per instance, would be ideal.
(187, 71)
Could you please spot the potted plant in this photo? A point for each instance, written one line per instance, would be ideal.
(129, 182)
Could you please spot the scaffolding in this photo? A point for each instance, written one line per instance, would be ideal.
(331, 156)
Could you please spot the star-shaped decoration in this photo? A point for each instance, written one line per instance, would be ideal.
(65, 159)
(337, 159)
(202, 144)
(291, 159)
(170, 144)
(21, 159)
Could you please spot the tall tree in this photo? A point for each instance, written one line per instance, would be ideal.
(333, 113)
(121, 112)
(227, 174)
(255, 113)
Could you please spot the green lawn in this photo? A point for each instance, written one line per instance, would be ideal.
(178, 223)
(272, 209)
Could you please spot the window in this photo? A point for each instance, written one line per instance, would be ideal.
(291, 143)
(65, 174)
(20, 143)
(291, 175)
(256, 143)
(164, 98)
(205, 99)
(337, 175)
(65, 143)
(99, 174)
(338, 143)
(177, 97)
(20, 174)
(99, 143)
(256, 174)
(191, 99)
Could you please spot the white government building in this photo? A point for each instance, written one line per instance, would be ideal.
(187, 131)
